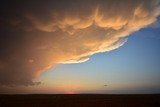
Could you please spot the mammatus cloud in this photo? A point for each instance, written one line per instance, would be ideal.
(36, 35)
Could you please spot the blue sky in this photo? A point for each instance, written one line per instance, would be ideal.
(45, 46)
(132, 68)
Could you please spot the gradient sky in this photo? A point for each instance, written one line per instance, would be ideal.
(77, 51)
(132, 68)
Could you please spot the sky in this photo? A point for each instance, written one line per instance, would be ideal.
(87, 46)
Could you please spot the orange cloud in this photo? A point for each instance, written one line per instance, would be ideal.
(46, 34)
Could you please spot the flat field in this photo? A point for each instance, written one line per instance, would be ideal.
(80, 100)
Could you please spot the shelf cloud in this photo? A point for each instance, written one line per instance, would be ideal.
(36, 35)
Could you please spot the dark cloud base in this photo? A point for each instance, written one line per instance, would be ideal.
(35, 35)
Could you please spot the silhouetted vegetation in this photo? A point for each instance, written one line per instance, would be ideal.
(79, 100)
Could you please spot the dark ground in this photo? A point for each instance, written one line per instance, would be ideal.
(80, 100)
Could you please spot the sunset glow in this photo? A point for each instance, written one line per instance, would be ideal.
(80, 46)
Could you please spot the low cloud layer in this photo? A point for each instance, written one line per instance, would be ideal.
(36, 35)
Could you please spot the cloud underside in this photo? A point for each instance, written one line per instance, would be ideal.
(36, 36)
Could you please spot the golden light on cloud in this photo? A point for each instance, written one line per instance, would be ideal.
(68, 33)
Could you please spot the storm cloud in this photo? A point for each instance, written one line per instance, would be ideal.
(36, 35)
